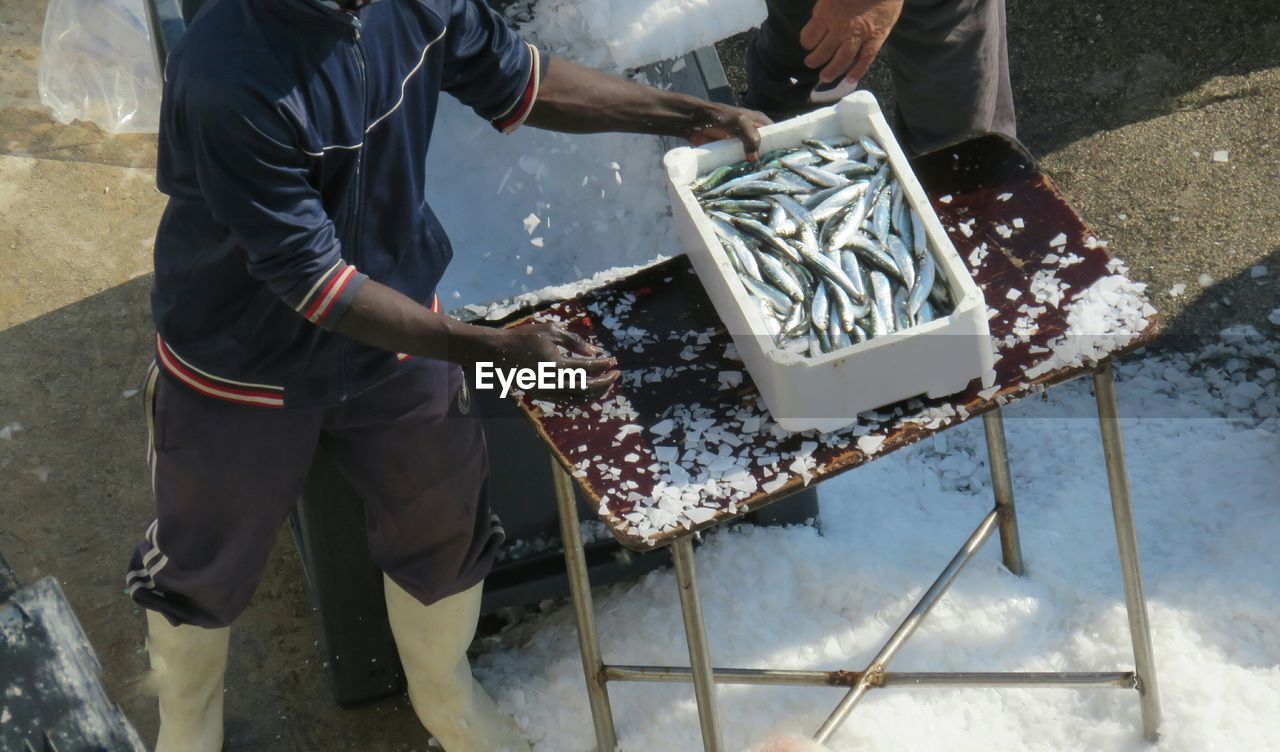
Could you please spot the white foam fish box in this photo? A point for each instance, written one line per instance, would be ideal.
(828, 392)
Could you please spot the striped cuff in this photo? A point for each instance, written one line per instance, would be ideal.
(330, 295)
(229, 390)
(519, 110)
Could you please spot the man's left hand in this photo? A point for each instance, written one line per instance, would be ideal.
(844, 36)
(725, 121)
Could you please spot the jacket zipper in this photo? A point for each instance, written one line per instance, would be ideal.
(354, 250)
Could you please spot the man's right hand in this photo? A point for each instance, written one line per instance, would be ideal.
(528, 346)
(382, 317)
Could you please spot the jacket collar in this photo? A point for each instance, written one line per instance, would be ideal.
(324, 12)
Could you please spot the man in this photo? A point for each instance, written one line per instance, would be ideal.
(948, 59)
(294, 301)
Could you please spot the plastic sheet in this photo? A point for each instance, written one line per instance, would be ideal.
(97, 65)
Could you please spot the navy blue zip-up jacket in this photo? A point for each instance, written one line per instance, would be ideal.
(293, 145)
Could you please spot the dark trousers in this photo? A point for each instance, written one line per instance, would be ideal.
(948, 59)
(225, 476)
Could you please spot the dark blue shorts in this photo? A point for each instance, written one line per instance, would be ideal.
(225, 476)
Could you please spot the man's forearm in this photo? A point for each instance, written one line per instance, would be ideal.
(384, 318)
(576, 99)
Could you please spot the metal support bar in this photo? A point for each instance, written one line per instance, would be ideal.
(1104, 386)
(704, 687)
(1002, 486)
(875, 671)
(772, 677)
(575, 560)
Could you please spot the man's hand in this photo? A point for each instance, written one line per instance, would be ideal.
(382, 317)
(724, 121)
(576, 99)
(844, 36)
(527, 346)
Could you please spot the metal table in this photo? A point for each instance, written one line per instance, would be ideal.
(986, 191)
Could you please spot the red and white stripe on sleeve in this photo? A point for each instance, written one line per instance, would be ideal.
(515, 116)
(330, 294)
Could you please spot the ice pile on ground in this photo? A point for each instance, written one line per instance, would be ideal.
(1202, 436)
(621, 34)
(536, 208)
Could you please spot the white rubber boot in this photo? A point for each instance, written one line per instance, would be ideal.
(187, 666)
(433, 641)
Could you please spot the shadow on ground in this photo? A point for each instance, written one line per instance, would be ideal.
(71, 381)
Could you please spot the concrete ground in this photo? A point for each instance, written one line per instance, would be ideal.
(1124, 104)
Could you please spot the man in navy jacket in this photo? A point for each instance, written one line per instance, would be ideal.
(295, 306)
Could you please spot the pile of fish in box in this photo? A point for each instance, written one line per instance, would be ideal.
(822, 238)
(827, 265)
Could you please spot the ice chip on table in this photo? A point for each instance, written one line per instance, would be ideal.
(1204, 280)
(1004, 196)
(531, 223)
(730, 379)
(1274, 317)
(1257, 272)
(9, 430)
(1177, 289)
(1220, 155)
(870, 444)
(1059, 240)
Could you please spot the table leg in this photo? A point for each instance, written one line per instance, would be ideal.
(704, 687)
(1002, 485)
(875, 672)
(1104, 386)
(575, 560)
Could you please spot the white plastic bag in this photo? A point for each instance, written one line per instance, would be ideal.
(97, 64)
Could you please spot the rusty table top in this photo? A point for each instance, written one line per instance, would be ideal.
(683, 442)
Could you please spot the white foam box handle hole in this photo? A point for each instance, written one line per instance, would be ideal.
(828, 392)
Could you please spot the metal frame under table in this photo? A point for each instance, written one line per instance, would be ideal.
(978, 188)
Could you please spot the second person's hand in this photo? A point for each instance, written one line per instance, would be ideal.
(844, 36)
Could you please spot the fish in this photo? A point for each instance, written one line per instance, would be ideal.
(919, 296)
(873, 149)
(775, 298)
(826, 244)
(903, 259)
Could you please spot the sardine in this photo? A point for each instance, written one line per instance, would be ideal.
(922, 287)
(903, 259)
(777, 299)
(777, 275)
(870, 146)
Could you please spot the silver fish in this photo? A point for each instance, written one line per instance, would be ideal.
(761, 188)
(819, 176)
(923, 286)
(872, 148)
(777, 275)
(882, 298)
(777, 299)
(903, 259)
(820, 309)
(837, 201)
(725, 186)
(769, 237)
